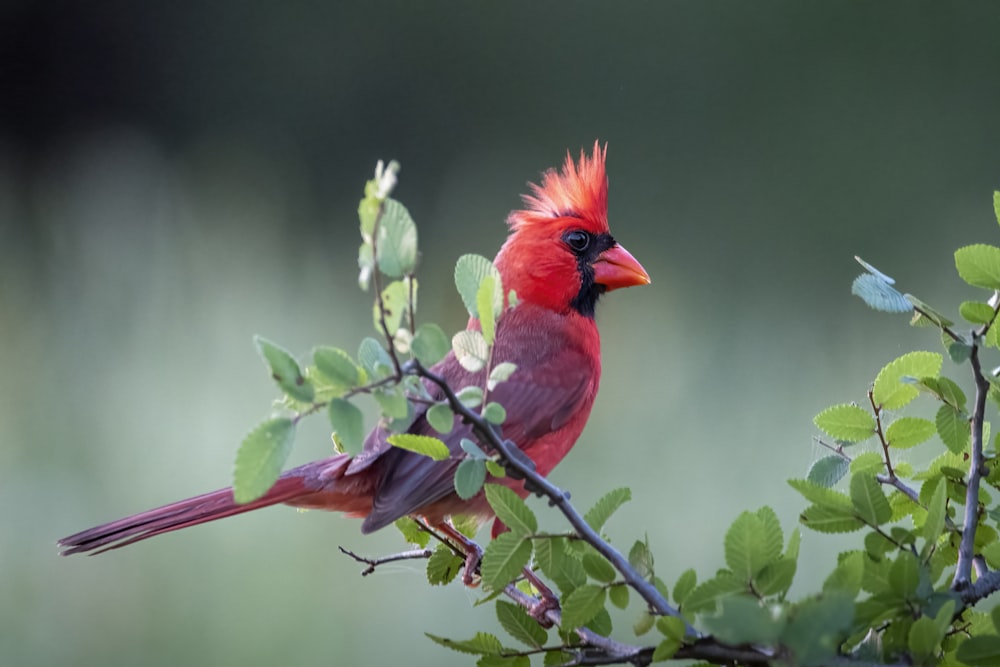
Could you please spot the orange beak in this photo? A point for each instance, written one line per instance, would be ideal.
(616, 267)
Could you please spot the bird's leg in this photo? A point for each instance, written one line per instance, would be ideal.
(547, 600)
(473, 553)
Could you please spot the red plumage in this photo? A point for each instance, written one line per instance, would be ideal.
(559, 258)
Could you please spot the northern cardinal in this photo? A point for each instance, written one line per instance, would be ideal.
(559, 258)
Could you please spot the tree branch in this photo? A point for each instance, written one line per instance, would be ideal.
(966, 548)
(372, 563)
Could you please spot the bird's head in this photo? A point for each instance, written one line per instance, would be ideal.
(560, 253)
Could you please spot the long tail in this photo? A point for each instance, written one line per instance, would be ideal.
(184, 513)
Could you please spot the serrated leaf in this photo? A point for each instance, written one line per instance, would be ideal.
(494, 413)
(847, 575)
(821, 495)
(285, 370)
(441, 418)
(581, 605)
(426, 445)
(412, 532)
(337, 367)
(469, 478)
(443, 566)
(982, 651)
(495, 469)
(776, 578)
(869, 501)
(485, 299)
(889, 392)
(348, 423)
(953, 428)
(979, 265)
(470, 349)
(818, 627)
(469, 273)
(908, 432)
(868, 462)
(641, 559)
(500, 373)
(558, 564)
(602, 510)
(976, 312)
(511, 509)
(430, 344)
(685, 584)
(935, 520)
(828, 470)
(904, 575)
(482, 643)
(846, 422)
(598, 567)
(396, 240)
(828, 520)
(752, 542)
(519, 625)
(951, 393)
(504, 559)
(704, 596)
(395, 305)
(619, 595)
(742, 620)
(260, 458)
(879, 295)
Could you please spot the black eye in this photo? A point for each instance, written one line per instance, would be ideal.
(577, 240)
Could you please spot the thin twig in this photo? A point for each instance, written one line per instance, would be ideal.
(372, 563)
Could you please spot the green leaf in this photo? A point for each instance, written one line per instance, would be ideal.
(558, 564)
(430, 344)
(519, 625)
(923, 639)
(908, 432)
(847, 575)
(511, 509)
(818, 626)
(396, 240)
(485, 298)
(703, 598)
(469, 273)
(500, 373)
(641, 559)
(348, 424)
(420, 444)
(953, 428)
(260, 458)
(441, 418)
(412, 532)
(470, 397)
(495, 469)
(752, 542)
(643, 624)
(374, 359)
(285, 370)
(846, 422)
(951, 393)
(869, 501)
(926, 315)
(395, 305)
(337, 366)
(868, 462)
(618, 595)
(443, 566)
(776, 578)
(959, 352)
(976, 312)
(904, 575)
(671, 627)
(469, 477)
(935, 521)
(598, 567)
(494, 413)
(996, 212)
(820, 495)
(982, 651)
(470, 349)
(665, 650)
(828, 470)
(979, 265)
(481, 644)
(504, 559)
(685, 584)
(889, 392)
(742, 620)
(608, 504)
(581, 605)
(828, 520)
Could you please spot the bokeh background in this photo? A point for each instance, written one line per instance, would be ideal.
(176, 177)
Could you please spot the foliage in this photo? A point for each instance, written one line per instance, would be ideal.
(927, 548)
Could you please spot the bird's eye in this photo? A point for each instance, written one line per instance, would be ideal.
(577, 240)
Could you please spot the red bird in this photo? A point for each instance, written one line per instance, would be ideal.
(560, 258)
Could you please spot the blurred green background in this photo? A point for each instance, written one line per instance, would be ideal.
(175, 178)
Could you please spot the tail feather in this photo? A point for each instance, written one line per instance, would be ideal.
(182, 514)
